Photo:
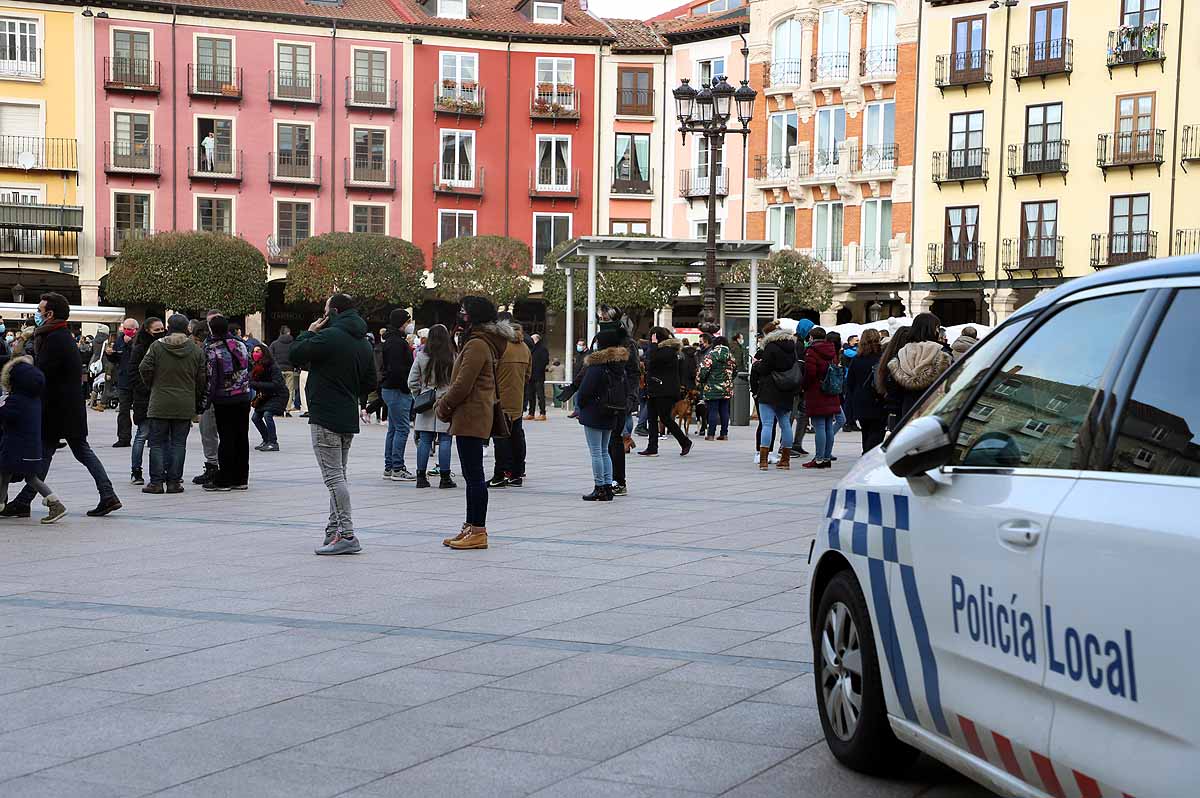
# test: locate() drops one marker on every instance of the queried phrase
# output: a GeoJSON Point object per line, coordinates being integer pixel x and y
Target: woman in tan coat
{"type": "Point", "coordinates": [469, 408]}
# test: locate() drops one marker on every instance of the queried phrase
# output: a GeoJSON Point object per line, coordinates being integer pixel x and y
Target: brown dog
{"type": "Point", "coordinates": [685, 410]}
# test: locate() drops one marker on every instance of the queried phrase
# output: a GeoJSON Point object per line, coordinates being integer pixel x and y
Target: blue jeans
{"type": "Point", "coordinates": [264, 422]}
{"type": "Point", "coordinates": [425, 446]}
{"type": "Point", "coordinates": [399, 405]}
{"type": "Point", "coordinates": [84, 454]}
{"type": "Point", "coordinates": [168, 447]}
{"type": "Point", "coordinates": [597, 442]}
{"type": "Point", "coordinates": [771, 415]}
{"type": "Point", "coordinates": [470, 459]}
{"type": "Point", "coordinates": [718, 409]}
{"type": "Point", "coordinates": [825, 428]}
{"type": "Point", "coordinates": [839, 421]}
{"type": "Point", "coordinates": [137, 454]}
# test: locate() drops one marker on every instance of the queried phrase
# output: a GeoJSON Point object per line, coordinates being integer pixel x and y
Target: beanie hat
{"type": "Point", "coordinates": [398, 318]}
{"type": "Point", "coordinates": [803, 328]}
{"type": "Point", "coordinates": [607, 338]}
{"type": "Point", "coordinates": [479, 310]}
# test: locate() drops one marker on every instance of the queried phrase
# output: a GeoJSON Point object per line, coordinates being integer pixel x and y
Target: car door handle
{"type": "Point", "coordinates": [1020, 532]}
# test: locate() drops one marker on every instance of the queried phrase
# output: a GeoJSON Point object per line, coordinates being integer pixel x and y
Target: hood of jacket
{"type": "Point", "coordinates": [611, 354]}
{"type": "Point", "coordinates": [511, 330]}
{"type": "Point", "coordinates": [176, 344]}
{"type": "Point", "coordinates": [803, 328]}
{"type": "Point", "coordinates": [492, 336]}
{"type": "Point", "coordinates": [20, 376]}
{"type": "Point", "coordinates": [917, 365]}
{"type": "Point", "coordinates": [351, 323]}
{"type": "Point", "coordinates": [671, 343]}
{"type": "Point", "coordinates": [778, 335]}
{"type": "Point", "coordinates": [824, 350]}
{"type": "Point", "coordinates": [962, 344]}
{"type": "Point", "coordinates": [284, 339]}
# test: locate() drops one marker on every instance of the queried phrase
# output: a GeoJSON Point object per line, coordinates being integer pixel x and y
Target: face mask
{"type": "Point", "coordinates": [257, 356]}
{"type": "Point", "coordinates": [158, 334]}
{"type": "Point", "coordinates": [579, 347]}
{"type": "Point", "coordinates": [463, 320]}
{"type": "Point", "coordinates": [10, 338]}
{"type": "Point", "coordinates": [38, 318]}
{"type": "Point", "coordinates": [1, 328]}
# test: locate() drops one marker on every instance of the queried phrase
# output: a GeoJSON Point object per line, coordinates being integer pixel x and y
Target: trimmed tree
{"type": "Point", "coordinates": [496, 267]}
{"type": "Point", "coordinates": [803, 281]}
{"type": "Point", "coordinates": [376, 270]}
{"type": "Point", "coordinates": [189, 272]}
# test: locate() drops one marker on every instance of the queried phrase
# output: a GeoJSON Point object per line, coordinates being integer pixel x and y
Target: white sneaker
{"type": "Point", "coordinates": [387, 473]}
{"type": "Point", "coordinates": [403, 475]}
{"type": "Point", "coordinates": [771, 458]}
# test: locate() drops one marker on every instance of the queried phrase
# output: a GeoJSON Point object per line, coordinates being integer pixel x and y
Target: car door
{"type": "Point", "coordinates": [976, 542]}
{"type": "Point", "coordinates": [1120, 575]}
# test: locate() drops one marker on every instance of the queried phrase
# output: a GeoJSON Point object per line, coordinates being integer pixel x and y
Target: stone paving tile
{"type": "Point", "coordinates": [686, 637]}
{"type": "Point", "coordinates": [103, 656]}
{"type": "Point", "coordinates": [45, 641]}
{"type": "Point", "coordinates": [496, 659]}
{"type": "Point", "coordinates": [99, 730]}
{"type": "Point", "coordinates": [273, 777]}
{"type": "Point", "coordinates": [605, 627]}
{"type": "Point", "coordinates": [226, 696]}
{"type": "Point", "coordinates": [51, 702]}
{"type": "Point", "coordinates": [406, 687]}
{"type": "Point", "coordinates": [708, 766]}
{"type": "Point", "coordinates": [588, 674]}
{"type": "Point", "coordinates": [13, 766]}
{"type": "Point", "coordinates": [477, 772]}
{"type": "Point", "coordinates": [20, 677]}
{"type": "Point", "coordinates": [489, 708]}
{"type": "Point", "coordinates": [387, 745]}
{"type": "Point", "coordinates": [298, 720]}
{"type": "Point", "coordinates": [583, 787]}
{"type": "Point", "coordinates": [42, 787]}
{"type": "Point", "coordinates": [758, 724]}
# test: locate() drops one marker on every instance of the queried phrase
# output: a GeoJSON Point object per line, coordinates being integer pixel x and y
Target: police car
{"type": "Point", "coordinates": [1008, 584]}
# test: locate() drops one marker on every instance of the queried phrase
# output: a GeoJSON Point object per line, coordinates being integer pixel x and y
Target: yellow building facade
{"type": "Point", "coordinates": [1054, 138]}
{"type": "Point", "coordinates": [41, 197]}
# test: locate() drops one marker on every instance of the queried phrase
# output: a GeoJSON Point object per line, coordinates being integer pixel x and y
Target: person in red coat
{"type": "Point", "coordinates": [822, 408]}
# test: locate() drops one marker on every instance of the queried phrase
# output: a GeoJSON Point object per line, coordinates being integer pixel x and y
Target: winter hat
{"type": "Point", "coordinates": [398, 318]}
{"type": "Point", "coordinates": [177, 324]}
{"type": "Point", "coordinates": [607, 338]}
{"type": "Point", "coordinates": [803, 328]}
{"type": "Point", "coordinates": [479, 310]}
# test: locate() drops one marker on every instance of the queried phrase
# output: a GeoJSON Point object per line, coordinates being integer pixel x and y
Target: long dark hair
{"type": "Point", "coordinates": [926, 327]}
{"type": "Point", "coordinates": [894, 345]}
{"type": "Point", "coordinates": [266, 360]}
{"type": "Point", "coordinates": [868, 344]}
{"type": "Point", "coordinates": [440, 351]}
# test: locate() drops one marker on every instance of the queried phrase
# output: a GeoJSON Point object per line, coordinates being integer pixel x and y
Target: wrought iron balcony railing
{"type": "Point", "coordinates": [1038, 254]}
{"type": "Point", "coordinates": [966, 69]}
{"type": "Point", "coordinates": [449, 178]}
{"type": "Point", "coordinates": [554, 101]}
{"type": "Point", "coordinates": [1189, 149]}
{"type": "Point", "coordinates": [1116, 249]}
{"type": "Point", "coordinates": [626, 180]}
{"type": "Point", "coordinates": [775, 168]}
{"type": "Point", "coordinates": [833, 257]}
{"type": "Point", "coordinates": [879, 64]}
{"type": "Point", "coordinates": [830, 67]}
{"type": "Point", "coordinates": [786, 72]}
{"type": "Point", "coordinates": [1042, 59]}
{"type": "Point", "coordinates": [371, 93]}
{"type": "Point", "coordinates": [1137, 44]}
{"type": "Point", "coordinates": [554, 182]}
{"type": "Point", "coordinates": [19, 61]}
{"type": "Point", "coordinates": [694, 183]}
{"type": "Point", "coordinates": [465, 98]}
{"type": "Point", "coordinates": [378, 174]}
{"type": "Point", "coordinates": [1038, 158]}
{"type": "Point", "coordinates": [293, 86]}
{"type": "Point", "coordinates": [132, 158]}
{"type": "Point", "coordinates": [216, 81]}
{"type": "Point", "coordinates": [874, 260]}
{"type": "Point", "coordinates": [1130, 148]}
{"type": "Point", "coordinates": [960, 166]}
{"type": "Point", "coordinates": [956, 260]}
{"type": "Point", "coordinates": [874, 161]}
{"type": "Point", "coordinates": [37, 154]}
{"type": "Point", "coordinates": [116, 237]}
{"type": "Point", "coordinates": [294, 168]}
{"type": "Point", "coordinates": [635, 102]}
{"type": "Point", "coordinates": [43, 243]}
{"type": "Point", "coordinates": [222, 164]}
{"type": "Point", "coordinates": [134, 75]}
{"type": "Point", "coordinates": [1187, 242]}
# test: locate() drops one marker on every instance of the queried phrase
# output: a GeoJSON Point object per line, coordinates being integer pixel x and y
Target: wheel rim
{"type": "Point", "coordinates": [841, 671]}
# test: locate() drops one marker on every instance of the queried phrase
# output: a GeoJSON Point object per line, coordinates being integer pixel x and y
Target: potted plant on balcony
{"type": "Point", "coordinates": [449, 83]}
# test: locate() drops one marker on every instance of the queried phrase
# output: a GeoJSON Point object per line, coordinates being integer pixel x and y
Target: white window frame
{"type": "Point", "coordinates": [13, 72]}
{"type": "Point", "coordinates": [831, 143]}
{"type": "Point", "coordinates": [552, 138]}
{"type": "Point", "coordinates": [1057, 403]}
{"type": "Point", "coordinates": [698, 223]}
{"type": "Point", "coordinates": [566, 100]}
{"type": "Point", "coordinates": [1035, 428]}
{"type": "Point", "coordinates": [558, 13]}
{"type": "Point", "coordinates": [232, 210]}
{"type": "Point", "coordinates": [1143, 458]}
{"type": "Point", "coordinates": [539, 268]}
{"type": "Point", "coordinates": [614, 222]}
{"type": "Point", "coordinates": [233, 127]}
{"type": "Point", "coordinates": [781, 226]}
{"type": "Point", "coordinates": [30, 188]}
{"type": "Point", "coordinates": [387, 146]}
{"type": "Point", "coordinates": [882, 240]}
{"type": "Point", "coordinates": [832, 265]}
{"type": "Point", "coordinates": [442, 13]}
{"type": "Point", "coordinates": [981, 412]}
{"type": "Point", "coordinates": [1007, 387]}
{"type": "Point", "coordinates": [874, 11]}
{"type": "Point", "coordinates": [1158, 434]}
{"type": "Point", "coordinates": [387, 214]}
{"type": "Point", "coordinates": [459, 58]}
{"type": "Point", "coordinates": [457, 212]}
{"type": "Point", "coordinates": [458, 135]}
{"type": "Point", "coordinates": [842, 45]}
{"type": "Point", "coordinates": [880, 141]}
{"type": "Point", "coordinates": [112, 126]}
{"type": "Point", "coordinates": [712, 62]}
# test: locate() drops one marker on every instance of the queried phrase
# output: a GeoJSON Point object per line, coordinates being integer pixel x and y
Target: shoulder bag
{"type": "Point", "coordinates": [500, 425]}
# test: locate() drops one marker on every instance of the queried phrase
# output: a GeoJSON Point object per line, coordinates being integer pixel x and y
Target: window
{"type": "Point", "coordinates": [556, 81]}
{"type": "Point", "coordinates": [1162, 416]}
{"type": "Point", "coordinates": [1135, 128]}
{"type": "Point", "coordinates": [19, 52]}
{"type": "Point", "coordinates": [22, 121]}
{"type": "Point", "coordinates": [369, 219]}
{"type": "Point", "coordinates": [966, 145]}
{"type": "Point", "coordinates": [968, 59]}
{"type": "Point", "coordinates": [881, 29]}
{"type": "Point", "coordinates": [632, 163]}
{"type": "Point", "coordinates": [458, 157]}
{"type": "Point", "coordinates": [827, 234]}
{"type": "Point", "coordinates": [638, 227]}
{"type": "Point", "coordinates": [781, 226]}
{"type": "Point", "coordinates": [1136, 13]}
{"type": "Point", "coordinates": [1047, 42]}
{"type": "Point", "coordinates": [834, 32]}
{"type": "Point", "coordinates": [786, 55]}
{"type": "Point", "coordinates": [1043, 138]}
{"type": "Point", "coordinates": [1058, 403]}
{"type": "Point", "coordinates": [370, 155]}
{"type": "Point", "coordinates": [547, 13]}
{"type": "Point", "coordinates": [782, 135]}
{"type": "Point", "coordinates": [549, 230]}
{"type": "Point", "coordinates": [295, 151]}
{"type": "Point", "coordinates": [452, 9]}
{"type": "Point", "coordinates": [1063, 358]}
{"type": "Point", "coordinates": [981, 412]}
{"type": "Point", "coordinates": [831, 134]}
{"type": "Point", "coordinates": [214, 214]}
{"type": "Point", "coordinates": [293, 77]}
{"type": "Point", "coordinates": [214, 64]}
{"type": "Point", "coordinates": [702, 230]}
{"type": "Point", "coordinates": [131, 140]}
{"type": "Point", "coordinates": [455, 224]}
{"type": "Point", "coordinates": [370, 77]}
{"type": "Point", "coordinates": [962, 239]}
{"type": "Point", "coordinates": [716, 5]}
{"type": "Point", "coordinates": [877, 234]}
{"type": "Point", "coordinates": [1039, 234]}
{"type": "Point", "coordinates": [554, 163]}
{"type": "Point", "coordinates": [131, 217]}
{"type": "Point", "coordinates": [460, 76]}
{"type": "Point", "coordinates": [879, 138]}
{"type": "Point", "coordinates": [293, 223]}
{"type": "Point", "coordinates": [634, 96]}
{"type": "Point", "coordinates": [1129, 228]}
{"type": "Point", "coordinates": [708, 69]}
{"type": "Point", "coordinates": [131, 62]}
{"type": "Point", "coordinates": [214, 145]}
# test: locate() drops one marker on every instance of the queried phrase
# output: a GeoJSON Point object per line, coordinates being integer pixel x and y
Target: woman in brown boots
{"type": "Point", "coordinates": [780, 378]}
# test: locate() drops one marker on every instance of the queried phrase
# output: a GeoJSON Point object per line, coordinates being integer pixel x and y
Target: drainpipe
{"type": "Point", "coordinates": [508, 127]}
{"type": "Point", "coordinates": [745, 139]}
{"type": "Point", "coordinates": [912, 233]}
{"type": "Point", "coordinates": [662, 167]}
{"type": "Point", "coordinates": [174, 127]}
{"type": "Point", "coordinates": [1000, 194]}
{"type": "Point", "coordinates": [597, 180]}
{"type": "Point", "coordinates": [1175, 135]}
{"type": "Point", "coordinates": [333, 130]}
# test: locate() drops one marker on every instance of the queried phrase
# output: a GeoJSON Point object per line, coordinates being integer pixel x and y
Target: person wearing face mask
{"type": "Point", "coordinates": [6, 339]}
{"type": "Point", "coordinates": [270, 397]}
{"type": "Point", "coordinates": [64, 416]}
{"type": "Point", "coordinates": [119, 351]}
{"type": "Point", "coordinates": [396, 359]}
{"type": "Point", "coordinates": [151, 331]}
{"type": "Point", "coordinates": [174, 369]}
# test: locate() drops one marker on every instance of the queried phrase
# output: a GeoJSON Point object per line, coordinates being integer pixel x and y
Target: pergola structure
{"type": "Point", "coordinates": [640, 254]}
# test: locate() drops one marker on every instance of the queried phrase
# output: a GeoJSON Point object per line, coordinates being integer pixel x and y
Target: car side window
{"type": "Point", "coordinates": [1160, 429]}
{"type": "Point", "coordinates": [1032, 409]}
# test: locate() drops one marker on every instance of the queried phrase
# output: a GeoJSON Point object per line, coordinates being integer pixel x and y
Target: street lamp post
{"type": "Point", "coordinates": [706, 113]}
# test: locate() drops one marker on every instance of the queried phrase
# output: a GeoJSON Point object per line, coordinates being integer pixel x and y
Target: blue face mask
{"type": "Point", "coordinates": [38, 318]}
{"type": "Point", "coordinates": [1, 329]}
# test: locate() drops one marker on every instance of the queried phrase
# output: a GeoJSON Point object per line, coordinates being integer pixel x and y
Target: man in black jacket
{"type": "Point", "coordinates": [119, 351]}
{"type": "Point", "coordinates": [64, 416]}
{"type": "Point", "coordinates": [535, 389]}
{"type": "Point", "coordinates": [393, 387]}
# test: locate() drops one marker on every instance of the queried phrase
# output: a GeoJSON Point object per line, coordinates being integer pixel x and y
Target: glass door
{"type": "Point", "coordinates": [879, 138]}
{"type": "Point", "coordinates": [962, 239]}
{"type": "Point", "coordinates": [827, 234]}
{"type": "Point", "coordinates": [554, 163]}
{"type": "Point", "coordinates": [966, 145]}
{"type": "Point", "coordinates": [968, 59]}
{"type": "Point", "coordinates": [458, 157]}
{"type": "Point", "coordinates": [214, 64]}
{"type": "Point", "coordinates": [370, 77]}
{"type": "Point", "coordinates": [1047, 39]}
{"type": "Point", "coordinates": [1043, 138]}
{"type": "Point", "coordinates": [880, 56]}
{"type": "Point", "coordinates": [370, 156]}
{"type": "Point", "coordinates": [1135, 128]}
{"type": "Point", "coordinates": [1129, 229]}
{"type": "Point", "coordinates": [831, 132]}
{"type": "Point", "coordinates": [1039, 235]}
{"type": "Point", "coordinates": [782, 135]}
{"type": "Point", "coordinates": [877, 234]}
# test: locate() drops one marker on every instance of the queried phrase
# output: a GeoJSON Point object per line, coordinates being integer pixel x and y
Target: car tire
{"type": "Point", "coordinates": [866, 744]}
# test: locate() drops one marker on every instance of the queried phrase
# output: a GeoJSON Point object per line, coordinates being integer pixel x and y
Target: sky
{"type": "Point", "coordinates": [630, 9]}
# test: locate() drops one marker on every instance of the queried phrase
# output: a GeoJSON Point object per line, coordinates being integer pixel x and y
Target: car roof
{"type": "Point", "coordinates": [1181, 266]}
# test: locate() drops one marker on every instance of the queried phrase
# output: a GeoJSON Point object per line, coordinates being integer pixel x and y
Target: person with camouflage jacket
{"type": "Point", "coordinates": [717, 370]}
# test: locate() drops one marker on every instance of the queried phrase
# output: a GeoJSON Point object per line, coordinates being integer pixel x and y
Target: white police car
{"type": "Point", "coordinates": [1009, 583]}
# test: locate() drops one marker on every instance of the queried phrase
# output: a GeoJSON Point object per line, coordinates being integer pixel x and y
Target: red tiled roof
{"type": "Point", "coordinates": [634, 34]}
{"type": "Point", "coordinates": [377, 11]}
{"type": "Point", "coordinates": [499, 16]}
{"type": "Point", "coordinates": [678, 11]}
{"type": "Point", "coordinates": [718, 19]}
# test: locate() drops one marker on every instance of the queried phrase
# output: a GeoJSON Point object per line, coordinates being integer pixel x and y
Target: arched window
{"type": "Point", "coordinates": [785, 58]}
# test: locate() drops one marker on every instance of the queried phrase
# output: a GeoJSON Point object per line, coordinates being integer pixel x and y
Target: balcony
{"type": "Point", "coordinates": [115, 238]}
{"type": "Point", "coordinates": [967, 69]}
{"type": "Point", "coordinates": [372, 174]}
{"type": "Point", "coordinates": [1042, 60]}
{"type": "Point", "coordinates": [132, 158]}
{"type": "Point", "coordinates": [1187, 242]}
{"type": "Point", "coordinates": [1130, 148]}
{"type": "Point", "coordinates": [39, 243]}
{"type": "Point", "coordinates": [635, 102]}
{"type": "Point", "coordinates": [461, 99]}
{"type": "Point", "coordinates": [554, 183]}
{"type": "Point", "coordinates": [224, 165]}
{"type": "Point", "coordinates": [874, 162]}
{"type": "Point", "coordinates": [215, 82]}
{"type": "Point", "coordinates": [822, 166]}
{"type": "Point", "coordinates": [294, 169]}
{"type": "Point", "coordinates": [628, 181]}
{"type": "Point", "coordinates": [457, 180]}
{"type": "Point", "coordinates": [829, 69]}
{"type": "Point", "coordinates": [131, 75]}
{"type": "Point", "coordinates": [961, 261]}
{"type": "Point", "coordinates": [37, 216]}
{"type": "Point", "coordinates": [292, 87]}
{"type": "Point", "coordinates": [1037, 158]}
{"type": "Point", "coordinates": [832, 258]}
{"type": "Point", "coordinates": [874, 261]}
{"type": "Point", "coordinates": [1117, 249]}
{"type": "Point", "coordinates": [786, 72]}
{"type": "Point", "coordinates": [20, 63]}
{"type": "Point", "coordinates": [36, 154]}
{"type": "Point", "coordinates": [1036, 255]}
{"type": "Point", "coordinates": [371, 94]}
{"type": "Point", "coordinates": [878, 64]}
{"type": "Point", "coordinates": [960, 166]}
{"type": "Point", "coordinates": [1189, 150]}
{"type": "Point", "coordinates": [279, 248]}
{"type": "Point", "coordinates": [775, 170]}
{"type": "Point", "coordinates": [1134, 45]}
{"type": "Point", "coordinates": [694, 183]}
{"type": "Point", "coordinates": [554, 102]}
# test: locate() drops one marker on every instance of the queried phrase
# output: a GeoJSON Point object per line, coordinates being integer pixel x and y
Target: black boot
{"type": "Point", "coordinates": [136, 478]}
{"type": "Point", "coordinates": [606, 493]}
{"type": "Point", "coordinates": [210, 471]}
{"type": "Point", "coordinates": [422, 479]}
{"type": "Point", "coordinates": [445, 481]}
{"type": "Point", "coordinates": [597, 494]}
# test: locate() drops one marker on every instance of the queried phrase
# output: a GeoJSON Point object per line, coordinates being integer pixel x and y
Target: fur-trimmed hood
{"type": "Point", "coordinates": [918, 364]}
{"type": "Point", "coordinates": [962, 344]}
{"type": "Point", "coordinates": [492, 335]}
{"type": "Point", "coordinates": [19, 375]}
{"type": "Point", "coordinates": [612, 354]}
{"type": "Point", "coordinates": [779, 334]}
{"type": "Point", "coordinates": [509, 329]}
{"type": "Point", "coordinates": [671, 343]}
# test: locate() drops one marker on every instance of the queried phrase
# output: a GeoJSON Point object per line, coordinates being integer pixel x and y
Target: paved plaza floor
{"type": "Point", "coordinates": [193, 645]}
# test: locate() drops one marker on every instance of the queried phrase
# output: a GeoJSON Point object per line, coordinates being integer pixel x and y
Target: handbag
{"type": "Point", "coordinates": [789, 380]}
{"type": "Point", "coordinates": [500, 425]}
{"type": "Point", "coordinates": [424, 401]}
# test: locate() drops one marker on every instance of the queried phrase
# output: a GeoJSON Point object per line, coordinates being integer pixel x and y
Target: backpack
{"type": "Point", "coordinates": [834, 382]}
{"type": "Point", "coordinates": [614, 396]}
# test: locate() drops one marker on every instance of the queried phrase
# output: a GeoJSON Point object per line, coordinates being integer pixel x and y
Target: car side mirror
{"type": "Point", "coordinates": [918, 447]}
